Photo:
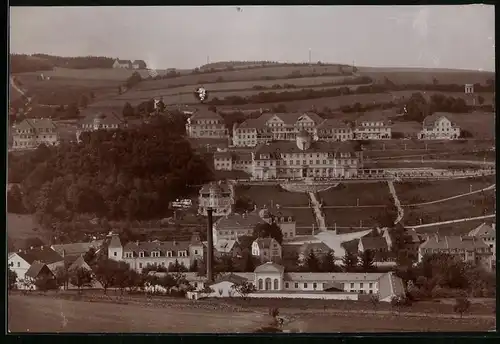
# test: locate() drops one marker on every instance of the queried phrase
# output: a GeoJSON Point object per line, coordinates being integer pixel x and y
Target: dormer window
{"type": "Point", "coordinates": [155, 254]}
{"type": "Point", "coordinates": [169, 253]}
{"type": "Point", "coordinates": [141, 254]}
{"type": "Point", "coordinates": [182, 254]}
{"type": "Point", "coordinates": [129, 255]}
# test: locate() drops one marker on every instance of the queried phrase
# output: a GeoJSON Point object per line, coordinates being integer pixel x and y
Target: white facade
{"type": "Point", "coordinates": [30, 133]}
{"type": "Point", "coordinates": [206, 125]}
{"type": "Point", "coordinates": [372, 130]}
{"type": "Point", "coordinates": [218, 196]}
{"type": "Point", "coordinates": [18, 265]}
{"type": "Point", "coordinates": [440, 129]}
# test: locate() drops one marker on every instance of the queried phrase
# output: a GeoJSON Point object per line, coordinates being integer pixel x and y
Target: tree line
{"type": "Point", "coordinates": [21, 63]}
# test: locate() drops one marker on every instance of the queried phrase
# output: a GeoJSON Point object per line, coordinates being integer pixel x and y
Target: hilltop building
{"type": "Point", "coordinates": [100, 121]}
{"type": "Point", "coordinates": [438, 126]}
{"type": "Point", "coordinates": [127, 64]}
{"type": "Point", "coordinates": [205, 124]}
{"type": "Point", "coordinates": [31, 132]}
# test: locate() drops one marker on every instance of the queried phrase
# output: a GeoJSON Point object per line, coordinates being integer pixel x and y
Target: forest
{"type": "Point", "coordinates": [129, 174]}
{"type": "Point", "coordinates": [21, 63]}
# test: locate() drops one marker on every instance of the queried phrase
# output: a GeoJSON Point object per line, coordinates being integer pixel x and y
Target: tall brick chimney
{"type": "Point", "coordinates": [210, 247]}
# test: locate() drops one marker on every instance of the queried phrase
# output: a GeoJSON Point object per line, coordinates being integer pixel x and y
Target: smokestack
{"type": "Point", "coordinates": [210, 247]}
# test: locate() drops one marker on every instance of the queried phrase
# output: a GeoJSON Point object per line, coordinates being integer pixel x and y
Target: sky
{"type": "Point", "coordinates": [461, 36]}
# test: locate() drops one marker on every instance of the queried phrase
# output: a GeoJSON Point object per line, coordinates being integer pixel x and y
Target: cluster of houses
{"type": "Point", "coordinates": [286, 126]}
{"type": "Point", "coordinates": [127, 64]}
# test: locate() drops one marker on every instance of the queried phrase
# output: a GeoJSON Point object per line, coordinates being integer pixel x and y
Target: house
{"type": "Point", "coordinates": [100, 121]}
{"type": "Point", "coordinates": [216, 195]}
{"type": "Point", "coordinates": [235, 225]}
{"type": "Point", "coordinates": [373, 243]}
{"type": "Point", "coordinates": [271, 281]}
{"type": "Point", "coordinates": [21, 261]}
{"type": "Point", "coordinates": [372, 126]}
{"type": "Point", "coordinates": [127, 64]}
{"type": "Point", "coordinates": [139, 64]}
{"type": "Point", "coordinates": [207, 125]}
{"type": "Point", "coordinates": [77, 249]}
{"type": "Point", "coordinates": [439, 126]}
{"type": "Point", "coordinates": [284, 218]}
{"type": "Point", "coordinates": [305, 159]}
{"type": "Point", "coordinates": [266, 249]}
{"type": "Point", "coordinates": [334, 130]}
{"type": "Point", "coordinates": [467, 248]}
{"type": "Point", "coordinates": [227, 248]}
{"type": "Point", "coordinates": [319, 249]}
{"type": "Point", "coordinates": [161, 253]}
{"type": "Point", "coordinates": [274, 126]}
{"type": "Point", "coordinates": [36, 271]}
{"type": "Point", "coordinates": [487, 233]}
{"type": "Point", "coordinates": [31, 132]}
{"type": "Point", "coordinates": [225, 160]}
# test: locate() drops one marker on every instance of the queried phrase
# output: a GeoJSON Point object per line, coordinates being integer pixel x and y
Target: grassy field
{"type": "Point", "coordinates": [464, 207]}
{"type": "Point", "coordinates": [271, 196]}
{"type": "Point", "coordinates": [426, 191]}
{"type": "Point", "coordinates": [352, 217]}
{"type": "Point", "coordinates": [432, 145]}
{"type": "Point", "coordinates": [479, 124]}
{"type": "Point", "coordinates": [305, 219]}
{"type": "Point", "coordinates": [488, 96]}
{"type": "Point", "coordinates": [22, 227]}
{"type": "Point", "coordinates": [44, 314]}
{"type": "Point", "coordinates": [116, 74]}
{"type": "Point", "coordinates": [349, 193]}
{"type": "Point", "coordinates": [460, 228]}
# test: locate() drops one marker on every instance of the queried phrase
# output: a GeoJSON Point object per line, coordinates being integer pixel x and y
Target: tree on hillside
{"type": "Point", "coordinates": [128, 110]}
{"type": "Point", "coordinates": [105, 272]}
{"type": "Point", "coordinates": [84, 101]}
{"type": "Point", "coordinates": [349, 262]}
{"type": "Point", "coordinates": [328, 262]}
{"type": "Point", "coordinates": [80, 278]}
{"type": "Point", "coordinates": [312, 262]}
{"type": "Point", "coordinates": [265, 230]}
{"type": "Point", "coordinates": [15, 200]}
{"type": "Point", "coordinates": [367, 259]}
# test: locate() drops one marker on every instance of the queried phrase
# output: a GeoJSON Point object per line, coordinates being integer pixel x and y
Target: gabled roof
{"type": "Point", "coordinates": [332, 123]}
{"type": "Point", "coordinates": [373, 243]}
{"type": "Point", "coordinates": [270, 267]}
{"type": "Point", "coordinates": [286, 118]}
{"type": "Point", "coordinates": [115, 242]}
{"type": "Point", "coordinates": [453, 242]}
{"type": "Point", "coordinates": [123, 61]}
{"type": "Point", "coordinates": [265, 243]}
{"type": "Point", "coordinates": [233, 278]}
{"type": "Point", "coordinates": [36, 123]}
{"type": "Point", "coordinates": [76, 249]}
{"type": "Point", "coordinates": [431, 120]}
{"type": "Point", "coordinates": [316, 247]}
{"type": "Point", "coordinates": [329, 276]}
{"type": "Point", "coordinates": [225, 245]}
{"type": "Point", "coordinates": [215, 188]}
{"type": "Point", "coordinates": [223, 155]}
{"type": "Point", "coordinates": [240, 221]}
{"type": "Point", "coordinates": [44, 255]}
{"type": "Point", "coordinates": [36, 268]}
{"type": "Point", "coordinates": [103, 118]}
{"type": "Point", "coordinates": [278, 147]}
{"type": "Point", "coordinates": [483, 230]}
{"type": "Point", "coordinates": [79, 263]}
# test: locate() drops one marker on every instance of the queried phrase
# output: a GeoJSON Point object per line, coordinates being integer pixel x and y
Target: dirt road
{"type": "Point", "coordinates": [48, 314]}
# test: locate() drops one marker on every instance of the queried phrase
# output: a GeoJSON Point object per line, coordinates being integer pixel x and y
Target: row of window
{"type": "Point", "coordinates": [141, 265]}
{"type": "Point", "coordinates": [206, 121]}
{"type": "Point", "coordinates": [335, 131]}
{"type": "Point", "coordinates": [305, 155]}
{"type": "Point", "coordinates": [212, 133]}
{"type": "Point", "coordinates": [377, 130]}
{"type": "Point", "coordinates": [340, 162]}
{"type": "Point", "coordinates": [39, 130]}
{"type": "Point", "coordinates": [29, 143]}
{"type": "Point", "coordinates": [99, 126]}
{"type": "Point", "coordinates": [37, 136]}
{"type": "Point", "coordinates": [157, 254]}
{"type": "Point", "coordinates": [372, 124]}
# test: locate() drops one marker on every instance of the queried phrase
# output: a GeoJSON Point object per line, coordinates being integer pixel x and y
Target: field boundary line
{"type": "Point", "coordinates": [451, 221]}
{"type": "Point", "coordinates": [491, 187]}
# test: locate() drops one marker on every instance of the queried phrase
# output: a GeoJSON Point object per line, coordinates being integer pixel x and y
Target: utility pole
{"type": "Point", "coordinates": [309, 56]}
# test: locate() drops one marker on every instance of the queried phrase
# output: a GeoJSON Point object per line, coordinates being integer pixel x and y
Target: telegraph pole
{"type": "Point", "coordinates": [309, 56]}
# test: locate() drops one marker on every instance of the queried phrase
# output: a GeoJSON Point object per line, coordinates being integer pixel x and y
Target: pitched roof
{"type": "Point", "coordinates": [483, 230]}
{"type": "Point", "coordinates": [157, 246]}
{"type": "Point", "coordinates": [316, 147]}
{"type": "Point", "coordinates": [231, 277]}
{"type": "Point", "coordinates": [206, 114]}
{"type": "Point", "coordinates": [316, 247]}
{"type": "Point", "coordinates": [223, 155]}
{"type": "Point", "coordinates": [36, 123]}
{"type": "Point", "coordinates": [276, 212]}
{"type": "Point", "coordinates": [123, 61]}
{"type": "Point", "coordinates": [103, 118]}
{"type": "Point", "coordinates": [76, 249]}
{"type": "Point", "coordinates": [44, 255]}
{"type": "Point", "coordinates": [373, 243]}
{"type": "Point", "coordinates": [270, 267]}
{"type": "Point", "coordinates": [328, 276]}
{"type": "Point", "coordinates": [431, 120]}
{"type": "Point", "coordinates": [79, 263]}
{"type": "Point", "coordinates": [453, 242]}
{"type": "Point", "coordinates": [287, 118]}
{"type": "Point", "coordinates": [36, 268]}
{"type": "Point", "coordinates": [225, 245]}
{"type": "Point", "coordinates": [115, 241]}
{"type": "Point", "coordinates": [265, 243]}
{"type": "Point", "coordinates": [240, 221]}
{"type": "Point", "coordinates": [215, 188]}
{"type": "Point", "coordinates": [241, 156]}
{"type": "Point", "coordinates": [331, 123]}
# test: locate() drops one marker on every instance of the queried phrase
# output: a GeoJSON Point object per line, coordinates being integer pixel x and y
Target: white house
{"type": "Point", "coordinates": [438, 126]}
{"type": "Point", "coordinates": [127, 64]}
{"type": "Point", "coordinates": [21, 261]}
{"type": "Point", "coordinates": [266, 249]}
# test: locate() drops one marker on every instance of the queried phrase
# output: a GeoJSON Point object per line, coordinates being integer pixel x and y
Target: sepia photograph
{"type": "Point", "coordinates": [251, 169]}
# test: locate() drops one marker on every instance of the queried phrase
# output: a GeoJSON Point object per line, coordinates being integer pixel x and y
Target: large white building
{"type": "Point", "coordinates": [206, 124]}
{"type": "Point", "coordinates": [334, 130]}
{"type": "Point", "coordinates": [31, 133]}
{"type": "Point", "coordinates": [160, 253]}
{"type": "Point", "coordinates": [438, 126]}
{"type": "Point", "coordinates": [372, 128]}
{"type": "Point", "coordinates": [271, 281]}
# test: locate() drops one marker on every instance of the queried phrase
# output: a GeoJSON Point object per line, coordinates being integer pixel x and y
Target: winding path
{"type": "Point", "coordinates": [397, 203]}
{"type": "Point", "coordinates": [320, 219]}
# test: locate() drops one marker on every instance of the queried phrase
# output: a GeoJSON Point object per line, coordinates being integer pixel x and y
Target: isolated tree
{"type": "Point", "coordinates": [244, 288]}
{"type": "Point", "coordinates": [80, 278]}
{"type": "Point", "coordinates": [480, 100]}
{"type": "Point", "coordinates": [168, 282]}
{"type": "Point", "coordinates": [367, 259]}
{"type": "Point", "coordinates": [62, 276]}
{"type": "Point", "coordinates": [105, 272]}
{"type": "Point", "coordinates": [349, 262]}
{"type": "Point", "coordinates": [312, 262]}
{"type": "Point", "coordinates": [461, 306]}
{"type": "Point", "coordinates": [375, 300]}
{"type": "Point", "coordinates": [328, 262]}
{"type": "Point", "coordinates": [128, 110]}
{"type": "Point", "coordinates": [265, 230]}
{"type": "Point", "coordinates": [12, 279]}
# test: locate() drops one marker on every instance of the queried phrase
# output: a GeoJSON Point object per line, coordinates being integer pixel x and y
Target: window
{"type": "Point", "coordinates": [115, 253]}
{"type": "Point", "coordinates": [361, 285]}
{"type": "Point", "coordinates": [140, 265]}
{"type": "Point", "coordinates": [305, 285]}
{"type": "Point", "coordinates": [370, 285]}
{"type": "Point", "coordinates": [169, 253]}
{"type": "Point", "coordinates": [276, 284]}
{"type": "Point", "coordinates": [195, 251]}
{"type": "Point", "coordinates": [296, 285]}
{"type": "Point", "coordinates": [11, 264]}
{"type": "Point", "coordinates": [260, 284]}
{"type": "Point", "coordinates": [286, 285]}
{"type": "Point", "coordinates": [371, 291]}
{"type": "Point", "coordinates": [141, 254]}
{"type": "Point", "coordinates": [315, 285]}
{"type": "Point", "coordinates": [352, 285]}
{"type": "Point", "coordinates": [155, 254]}
{"type": "Point", "coordinates": [196, 284]}
{"type": "Point", "coordinates": [18, 264]}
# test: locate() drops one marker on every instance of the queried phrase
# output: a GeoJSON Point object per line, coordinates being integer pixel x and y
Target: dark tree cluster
{"type": "Point", "coordinates": [20, 63]}
{"type": "Point", "coordinates": [131, 174]}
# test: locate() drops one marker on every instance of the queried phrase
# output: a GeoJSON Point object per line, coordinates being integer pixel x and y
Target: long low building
{"type": "Point", "coordinates": [271, 281]}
